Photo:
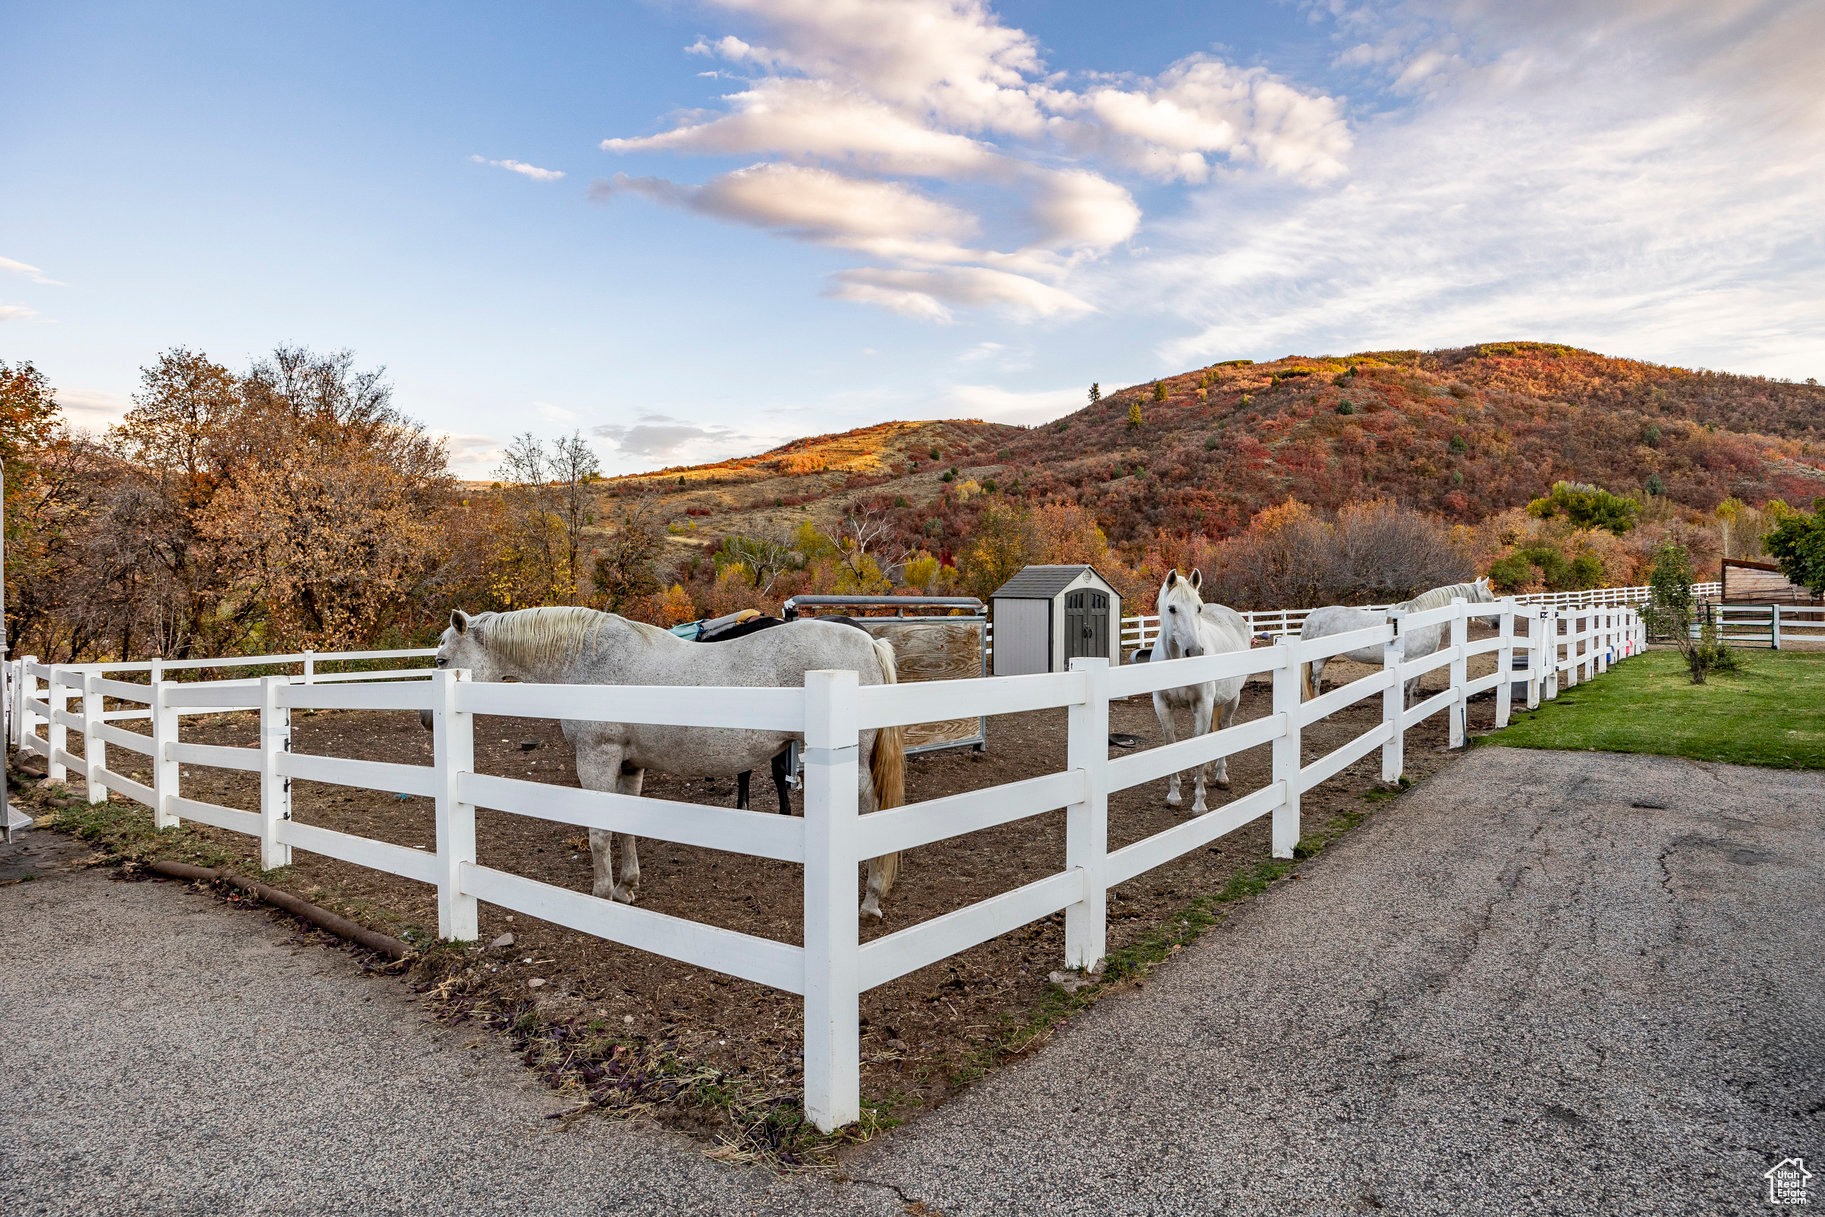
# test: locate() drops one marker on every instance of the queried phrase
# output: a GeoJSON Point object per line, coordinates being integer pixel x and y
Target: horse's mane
{"type": "Point", "coordinates": [1438, 597]}
{"type": "Point", "coordinates": [535, 637]}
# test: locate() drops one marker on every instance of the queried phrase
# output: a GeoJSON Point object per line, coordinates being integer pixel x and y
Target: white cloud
{"type": "Point", "coordinates": [661, 439]}
{"type": "Point", "coordinates": [16, 312]}
{"type": "Point", "coordinates": [555, 414]}
{"type": "Point", "coordinates": [925, 293]}
{"type": "Point", "coordinates": [30, 272]}
{"type": "Point", "coordinates": [473, 457]}
{"type": "Point", "coordinates": [994, 404]}
{"type": "Point", "coordinates": [816, 120]}
{"type": "Point", "coordinates": [91, 410]}
{"type": "Point", "coordinates": [1202, 105]}
{"type": "Point", "coordinates": [523, 169]}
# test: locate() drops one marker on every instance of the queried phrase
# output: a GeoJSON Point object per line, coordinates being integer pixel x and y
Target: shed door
{"type": "Point", "coordinates": [1086, 623]}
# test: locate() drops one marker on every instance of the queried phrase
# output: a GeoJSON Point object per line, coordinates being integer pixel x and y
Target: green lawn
{"type": "Point", "coordinates": [1772, 713]}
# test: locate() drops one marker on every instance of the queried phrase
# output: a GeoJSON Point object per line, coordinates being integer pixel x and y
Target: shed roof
{"type": "Point", "coordinates": [1042, 582]}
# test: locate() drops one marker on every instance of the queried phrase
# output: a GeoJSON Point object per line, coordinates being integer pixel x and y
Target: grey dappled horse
{"type": "Point", "coordinates": [582, 646]}
{"type": "Point", "coordinates": [1412, 644]}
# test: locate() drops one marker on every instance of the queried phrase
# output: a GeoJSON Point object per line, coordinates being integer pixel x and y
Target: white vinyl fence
{"type": "Point", "coordinates": [1140, 631]}
{"type": "Point", "coordinates": [1769, 625]}
{"type": "Point", "coordinates": [830, 968]}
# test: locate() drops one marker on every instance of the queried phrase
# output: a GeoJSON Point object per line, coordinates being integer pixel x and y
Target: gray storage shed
{"type": "Point", "coordinates": [1047, 616]}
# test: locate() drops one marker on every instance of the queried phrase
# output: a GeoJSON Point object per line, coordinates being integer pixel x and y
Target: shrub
{"type": "Point", "coordinates": [1210, 443]}
{"type": "Point", "coordinates": [1586, 506]}
{"type": "Point", "coordinates": [1798, 544]}
{"type": "Point", "coordinates": [1457, 445]}
{"type": "Point", "coordinates": [947, 475]}
{"type": "Point", "coordinates": [1670, 611]}
{"type": "Point", "coordinates": [1096, 393]}
{"type": "Point", "coordinates": [1134, 416]}
{"type": "Point", "coordinates": [1654, 485]}
{"type": "Point", "coordinates": [1344, 407]}
{"type": "Point", "coordinates": [1159, 391]}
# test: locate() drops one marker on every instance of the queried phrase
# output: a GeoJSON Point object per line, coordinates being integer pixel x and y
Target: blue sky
{"type": "Point", "coordinates": [778, 217]}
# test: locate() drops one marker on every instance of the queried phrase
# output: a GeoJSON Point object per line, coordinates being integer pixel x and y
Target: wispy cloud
{"type": "Point", "coordinates": [16, 312]}
{"type": "Point", "coordinates": [662, 439]}
{"type": "Point", "coordinates": [853, 99]}
{"type": "Point", "coordinates": [473, 457]}
{"type": "Point", "coordinates": [30, 272]}
{"type": "Point", "coordinates": [90, 410]}
{"type": "Point", "coordinates": [522, 168]}
{"type": "Point", "coordinates": [994, 404]}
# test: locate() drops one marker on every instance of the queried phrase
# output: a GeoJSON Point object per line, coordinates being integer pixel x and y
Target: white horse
{"type": "Point", "coordinates": [1188, 628]}
{"type": "Point", "coordinates": [1412, 644]}
{"type": "Point", "coordinates": [583, 646]}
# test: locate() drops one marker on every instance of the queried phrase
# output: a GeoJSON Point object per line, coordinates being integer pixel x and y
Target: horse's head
{"type": "Point", "coordinates": [464, 645]}
{"type": "Point", "coordinates": [1481, 592]}
{"type": "Point", "coordinates": [1179, 603]}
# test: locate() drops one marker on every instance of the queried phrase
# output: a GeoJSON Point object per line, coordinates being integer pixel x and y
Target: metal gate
{"type": "Point", "coordinates": [1086, 624]}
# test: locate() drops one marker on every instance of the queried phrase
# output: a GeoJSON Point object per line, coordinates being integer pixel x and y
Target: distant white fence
{"type": "Point", "coordinates": [830, 968]}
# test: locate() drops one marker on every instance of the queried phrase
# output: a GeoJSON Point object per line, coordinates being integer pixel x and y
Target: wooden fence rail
{"type": "Point", "coordinates": [1556, 646]}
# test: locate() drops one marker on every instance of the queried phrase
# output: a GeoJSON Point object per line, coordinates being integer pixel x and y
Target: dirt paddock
{"type": "Point", "coordinates": [921, 1032]}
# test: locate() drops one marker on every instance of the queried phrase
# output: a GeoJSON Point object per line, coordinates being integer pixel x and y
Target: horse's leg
{"type": "Point", "coordinates": [1317, 676]}
{"type": "Point", "coordinates": [741, 791]}
{"type": "Point", "coordinates": [782, 784]}
{"type": "Point", "coordinates": [1170, 729]}
{"type": "Point", "coordinates": [600, 769]}
{"type": "Point", "coordinates": [1226, 718]}
{"type": "Point", "coordinates": [879, 876]}
{"type": "Point", "coordinates": [629, 887]}
{"type": "Point", "coordinates": [1200, 725]}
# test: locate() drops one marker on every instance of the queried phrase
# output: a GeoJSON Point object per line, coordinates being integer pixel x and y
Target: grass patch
{"type": "Point", "coordinates": [1770, 713]}
{"type": "Point", "coordinates": [120, 828]}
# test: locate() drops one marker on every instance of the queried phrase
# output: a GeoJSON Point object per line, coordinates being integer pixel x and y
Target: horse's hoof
{"type": "Point", "coordinates": [623, 893]}
{"type": "Point", "coordinates": [1221, 783]}
{"type": "Point", "coordinates": [872, 908]}
{"type": "Point", "coordinates": [1173, 799]}
{"type": "Point", "coordinates": [1198, 808]}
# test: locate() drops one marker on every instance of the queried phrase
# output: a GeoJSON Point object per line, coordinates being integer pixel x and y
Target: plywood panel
{"type": "Point", "coordinates": [934, 650]}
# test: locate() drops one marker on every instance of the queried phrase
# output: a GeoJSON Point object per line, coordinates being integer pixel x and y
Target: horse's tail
{"type": "Point", "coordinates": [887, 767]}
{"type": "Point", "coordinates": [1306, 692]}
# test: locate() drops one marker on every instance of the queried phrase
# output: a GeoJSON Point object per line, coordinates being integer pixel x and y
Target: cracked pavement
{"type": "Point", "coordinates": [1537, 983]}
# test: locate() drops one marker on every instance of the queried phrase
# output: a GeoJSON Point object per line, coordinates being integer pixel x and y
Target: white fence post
{"type": "Point", "coordinates": [310, 666]}
{"type": "Point", "coordinates": [275, 787]}
{"type": "Point", "coordinates": [1460, 671]}
{"type": "Point", "coordinates": [164, 734]}
{"type": "Point", "coordinates": [55, 734]}
{"type": "Point", "coordinates": [453, 754]}
{"type": "Point", "coordinates": [1549, 638]}
{"type": "Point", "coordinates": [1087, 823]}
{"type": "Point", "coordinates": [833, 1048]}
{"type": "Point", "coordinates": [94, 748]}
{"type": "Point", "coordinates": [1536, 657]}
{"type": "Point", "coordinates": [1774, 628]}
{"type": "Point", "coordinates": [1504, 689]}
{"type": "Point", "coordinates": [1394, 702]}
{"type": "Point", "coordinates": [1286, 748]}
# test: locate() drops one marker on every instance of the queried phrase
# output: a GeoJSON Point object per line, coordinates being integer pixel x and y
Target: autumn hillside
{"type": "Point", "coordinates": [1465, 434]}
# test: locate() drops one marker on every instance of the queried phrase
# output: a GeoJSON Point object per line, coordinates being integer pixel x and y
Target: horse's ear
{"type": "Point", "coordinates": [1197, 578]}
{"type": "Point", "coordinates": [459, 621]}
{"type": "Point", "coordinates": [1172, 576]}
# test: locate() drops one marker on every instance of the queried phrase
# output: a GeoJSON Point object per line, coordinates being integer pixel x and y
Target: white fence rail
{"type": "Point", "coordinates": [831, 968]}
{"type": "Point", "coordinates": [1770, 625]}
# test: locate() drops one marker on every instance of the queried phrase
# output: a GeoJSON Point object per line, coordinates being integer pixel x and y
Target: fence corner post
{"type": "Point", "coordinates": [164, 735]}
{"type": "Point", "coordinates": [1286, 749]}
{"type": "Point", "coordinates": [1460, 671]}
{"type": "Point", "coordinates": [1504, 690]}
{"type": "Point", "coordinates": [94, 748]}
{"type": "Point", "coordinates": [453, 754]}
{"type": "Point", "coordinates": [275, 787]}
{"type": "Point", "coordinates": [833, 1047]}
{"type": "Point", "coordinates": [1394, 701]}
{"type": "Point", "coordinates": [1549, 639]}
{"type": "Point", "coordinates": [1087, 823]}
